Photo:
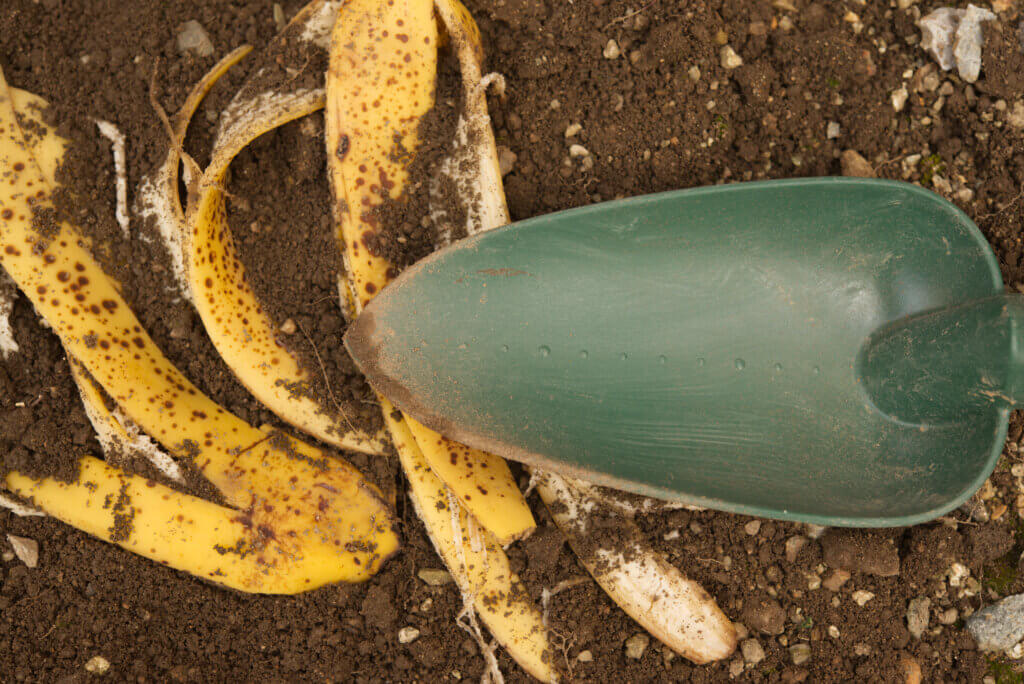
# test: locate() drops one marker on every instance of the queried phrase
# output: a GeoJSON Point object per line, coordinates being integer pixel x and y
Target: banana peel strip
{"type": "Point", "coordinates": [648, 588]}
{"type": "Point", "coordinates": [473, 165]}
{"type": "Point", "coordinates": [380, 84]}
{"type": "Point", "coordinates": [475, 559]}
{"type": "Point", "coordinates": [48, 149]}
{"type": "Point", "coordinates": [309, 519]}
{"type": "Point", "coordinates": [158, 195]}
{"type": "Point", "coordinates": [381, 76]}
{"type": "Point", "coordinates": [673, 608]}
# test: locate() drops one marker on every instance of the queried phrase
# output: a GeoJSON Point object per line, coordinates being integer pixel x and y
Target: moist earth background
{"type": "Point", "coordinates": [657, 112]}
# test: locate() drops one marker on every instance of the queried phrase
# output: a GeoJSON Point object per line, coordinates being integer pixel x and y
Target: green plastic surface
{"type": "Point", "coordinates": [706, 346]}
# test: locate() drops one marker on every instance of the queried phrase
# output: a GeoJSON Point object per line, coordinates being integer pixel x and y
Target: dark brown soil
{"type": "Point", "coordinates": [650, 122]}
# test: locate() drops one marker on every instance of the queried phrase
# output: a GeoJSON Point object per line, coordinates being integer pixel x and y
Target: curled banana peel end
{"type": "Point", "coordinates": [313, 511]}
{"type": "Point", "coordinates": [673, 608]}
{"type": "Point", "coordinates": [225, 546]}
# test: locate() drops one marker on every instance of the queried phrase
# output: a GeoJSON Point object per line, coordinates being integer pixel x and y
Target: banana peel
{"type": "Point", "coordinates": [475, 559]}
{"type": "Point", "coordinates": [118, 437]}
{"type": "Point", "coordinates": [205, 260]}
{"type": "Point", "coordinates": [310, 511]}
{"type": "Point", "coordinates": [380, 84]}
{"type": "Point", "coordinates": [673, 608]}
{"type": "Point", "coordinates": [381, 81]}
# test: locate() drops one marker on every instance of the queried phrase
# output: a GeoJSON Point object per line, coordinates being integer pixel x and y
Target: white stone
{"type": "Point", "coordinates": [585, 657]}
{"type": "Point", "coordinates": [861, 597]}
{"type": "Point", "coordinates": [407, 635]}
{"type": "Point", "coordinates": [899, 98]}
{"type": "Point", "coordinates": [918, 616]}
{"type": "Point", "coordinates": [800, 653]}
{"type": "Point", "coordinates": [636, 645]}
{"type": "Point", "coordinates": [753, 652]}
{"type": "Point", "coordinates": [833, 130]}
{"type": "Point", "coordinates": [611, 50]}
{"type": "Point", "coordinates": [193, 39]}
{"type": "Point", "coordinates": [729, 58]}
{"type": "Point", "coordinates": [577, 150]}
{"type": "Point", "coordinates": [97, 665]}
{"type": "Point", "coordinates": [27, 550]}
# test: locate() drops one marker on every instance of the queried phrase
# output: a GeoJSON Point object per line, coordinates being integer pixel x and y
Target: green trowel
{"type": "Point", "coordinates": [836, 351]}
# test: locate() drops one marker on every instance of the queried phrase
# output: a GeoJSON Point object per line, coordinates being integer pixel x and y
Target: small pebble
{"type": "Point", "coordinates": [434, 577]}
{"type": "Point", "coordinates": [736, 668]}
{"type": "Point", "coordinates": [958, 572]}
{"type": "Point", "coordinates": [793, 547]}
{"type": "Point", "coordinates": [611, 50]}
{"type": "Point", "coordinates": [853, 164]}
{"type": "Point", "coordinates": [899, 98]}
{"type": "Point", "coordinates": [193, 39]}
{"type": "Point", "coordinates": [694, 73]}
{"type": "Point", "coordinates": [577, 150]}
{"type": "Point", "coordinates": [752, 527]}
{"type": "Point", "coordinates": [506, 160]}
{"type": "Point", "coordinates": [636, 645]}
{"type": "Point", "coordinates": [949, 616]}
{"type": "Point", "coordinates": [729, 58]}
{"type": "Point", "coordinates": [407, 635]}
{"type": "Point", "coordinates": [288, 327]}
{"type": "Point", "coordinates": [800, 653]}
{"type": "Point", "coordinates": [836, 580]}
{"type": "Point", "coordinates": [585, 657]}
{"type": "Point", "coordinates": [1000, 626]}
{"type": "Point", "coordinates": [918, 616]}
{"type": "Point", "coordinates": [97, 665]}
{"type": "Point", "coordinates": [573, 129]}
{"type": "Point", "coordinates": [861, 649]}
{"type": "Point", "coordinates": [861, 597]}
{"type": "Point", "coordinates": [833, 130]}
{"type": "Point", "coordinates": [7, 556]}
{"type": "Point", "coordinates": [833, 631]}
{"type": "Point", "coordinates": [753, 652]}
{"type": "Point", "coordinates": [1016, 117]}
{"type": "Point", "coordinates": [27, 550]}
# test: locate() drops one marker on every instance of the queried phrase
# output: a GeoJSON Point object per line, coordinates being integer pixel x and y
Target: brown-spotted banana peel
{"type": "Point", "coordinates": [380, 84]}
{"type": "Point", "coordinates": [206, 261]}
{"type": "Point", "coordinates": [300, 518]}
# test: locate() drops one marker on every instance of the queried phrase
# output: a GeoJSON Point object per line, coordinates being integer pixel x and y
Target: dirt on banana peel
{"type": "Point", "coordinates": [647, 124]}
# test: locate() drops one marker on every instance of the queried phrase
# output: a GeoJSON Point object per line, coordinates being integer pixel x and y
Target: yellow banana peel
{"type": "Point", "coordinates": [318, 512]}
{"type": "Point", "coordinates": [380, 84]}
{"type": "Point", "coordinates": [475, 559]}
{"type": "Point", "coordinates": [48, 149]}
